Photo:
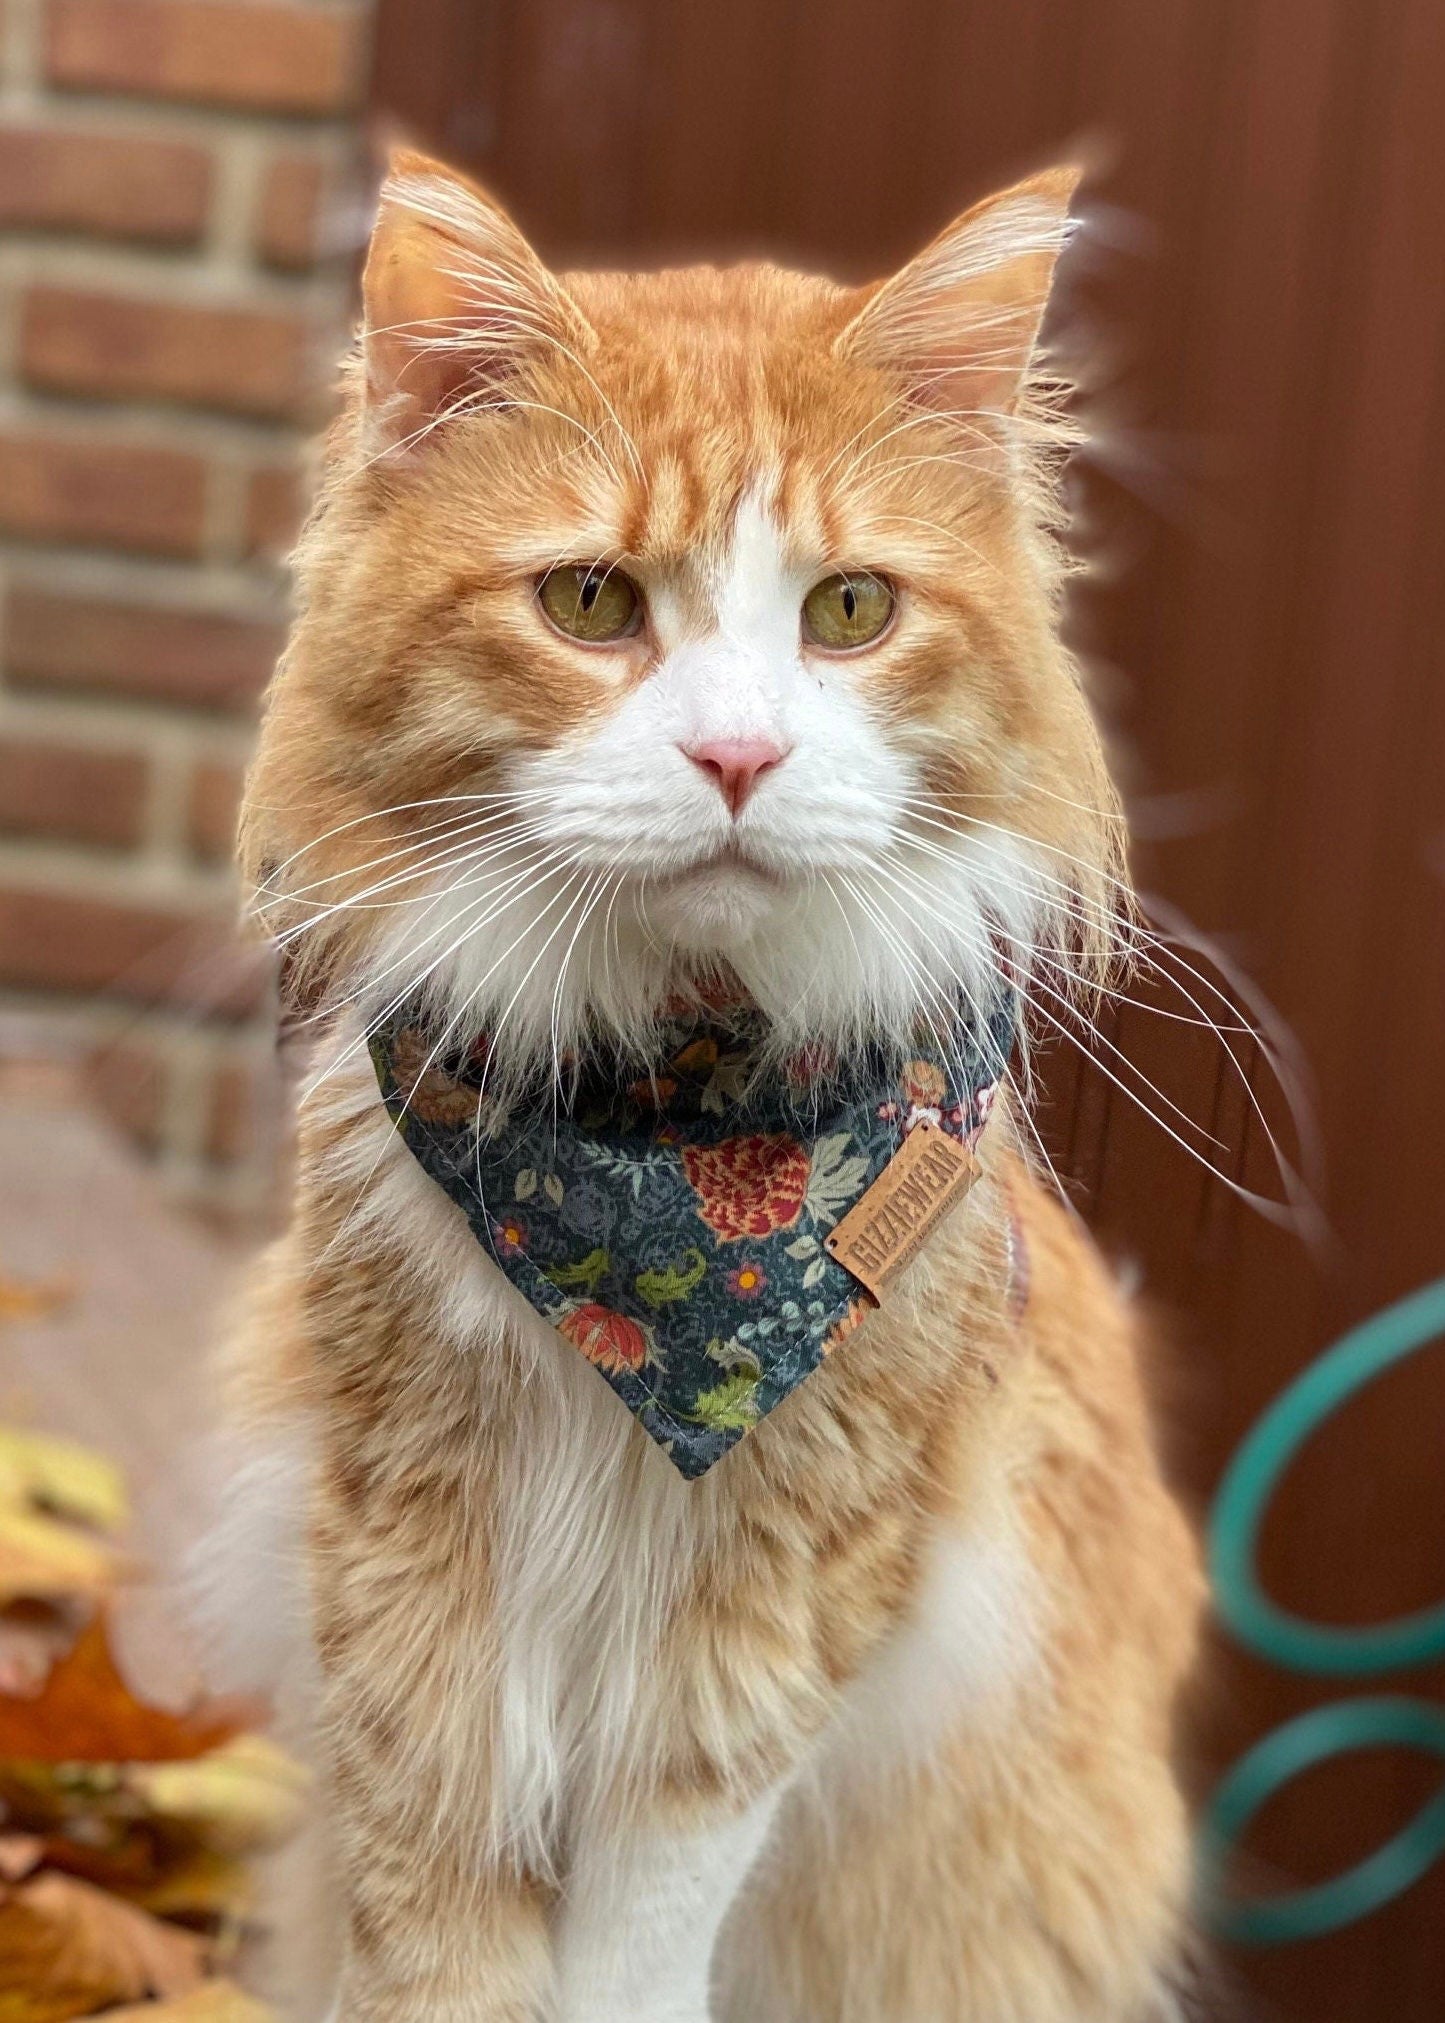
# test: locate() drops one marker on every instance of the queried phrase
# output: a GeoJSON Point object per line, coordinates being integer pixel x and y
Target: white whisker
{"type": "Point", "coordinates": [1143, 948]}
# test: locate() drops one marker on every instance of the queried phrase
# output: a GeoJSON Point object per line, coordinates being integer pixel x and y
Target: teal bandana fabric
{"type": "Point", "coordinates": [671, 1224]}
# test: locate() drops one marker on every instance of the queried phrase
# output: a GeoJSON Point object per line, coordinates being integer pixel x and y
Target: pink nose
{"type": "Point", "coordinates": [736, 765]}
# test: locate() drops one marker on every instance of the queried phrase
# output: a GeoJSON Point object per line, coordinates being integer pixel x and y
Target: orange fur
{"type": "Point", "coordinates": [552, 1673]}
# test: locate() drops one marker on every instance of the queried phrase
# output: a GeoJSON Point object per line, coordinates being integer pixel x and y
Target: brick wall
{"type": "Point", "coordinates": [179, 208]}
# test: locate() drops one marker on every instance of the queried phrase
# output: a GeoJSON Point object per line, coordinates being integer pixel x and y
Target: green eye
{"type": "Point", "coordinates": [592, 604]}
{"type": "Point", "coordinates": [847, 610]}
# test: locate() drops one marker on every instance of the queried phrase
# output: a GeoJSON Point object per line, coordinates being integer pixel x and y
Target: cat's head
{"type": "Point", "coordinates": [660, 625]}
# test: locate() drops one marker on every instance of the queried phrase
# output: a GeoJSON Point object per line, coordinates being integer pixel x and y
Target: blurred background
{"type": "Point", "coordinates": [184, 188]}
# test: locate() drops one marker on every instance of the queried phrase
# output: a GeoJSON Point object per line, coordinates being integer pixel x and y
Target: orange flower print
{"type": "Point", "coordinates": [697, 1058]}
{"type": "Point", "coordinates": [853, 1316]}
{"type": "Point", "coordinates": [511, 1236]}
{"type": "Point", "coordinates": [748, 1186]}
{"type": "Point", "coordinates": [426, 1089]}
{"type": "Point", "coordinates": [924, 1084]}
{"type": "Point", "coordinates": [747, 1281]}
{"type": "Point", "coordinates": [653, 1093]}
{"type": "Point", "coordinates": [610, 1340]}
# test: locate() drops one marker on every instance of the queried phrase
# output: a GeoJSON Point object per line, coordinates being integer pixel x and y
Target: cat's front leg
{"type": "Point", "coordinates": [635, 1930]}
{"type": "Point", "coordinates": [439, 1923]}
{"type": "Point", "coordinates": [489, 1967]}
{"type": "Point", "coordinates": [431, 1935]}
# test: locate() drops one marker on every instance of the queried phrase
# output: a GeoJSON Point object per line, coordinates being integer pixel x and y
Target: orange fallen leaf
{"type": "Point", "coordinates": [67, 1949]}
{"type": "Point", "coordinates": [86, 1713]}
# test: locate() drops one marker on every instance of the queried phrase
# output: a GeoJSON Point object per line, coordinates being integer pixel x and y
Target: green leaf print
{"type": "Point", "coordinates": [730, 1405]}
{"type": "Point", "coordinates": [588, 1274]}
{"type": "Point", "coordinates": [673, 1282]}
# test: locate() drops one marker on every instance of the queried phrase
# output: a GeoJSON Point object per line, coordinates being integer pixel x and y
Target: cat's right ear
{"type": "Point", "coordinates": [455, 303]}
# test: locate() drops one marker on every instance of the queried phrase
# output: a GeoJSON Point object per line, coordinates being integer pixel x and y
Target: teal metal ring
{"type": "Point", "coordinates": [1383, 1721]}
{"type": "Point", "coordinates": [1268, 1449]}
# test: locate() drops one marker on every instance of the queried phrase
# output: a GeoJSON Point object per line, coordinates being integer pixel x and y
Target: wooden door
{"type": "Point", "coordinates": [1265, 627]}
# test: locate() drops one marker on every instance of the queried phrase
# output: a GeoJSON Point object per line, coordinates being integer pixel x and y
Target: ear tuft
{"type": "Point", "coordinates": [960, 321]}
{"type": "Point", "coordinates": [455, 301]}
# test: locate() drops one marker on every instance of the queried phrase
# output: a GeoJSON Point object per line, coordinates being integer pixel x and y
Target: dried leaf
{"type": "Point", "coordinates": [246, 1795]}
{"type": "Point", "coordinates": [87, 1714]}
{"type": "Point", "coordinates": [67, 1949]}
{"type": "Point", "coordinates": [128, 1860]}
{"type": "Point", "coordinates": [212, 2002]}
{"type": "Point", "coordinates": [172, 1878]}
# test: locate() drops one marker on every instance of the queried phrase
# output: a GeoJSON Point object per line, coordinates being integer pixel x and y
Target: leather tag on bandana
{"type": "Point", "coordinates": [882, 1234]}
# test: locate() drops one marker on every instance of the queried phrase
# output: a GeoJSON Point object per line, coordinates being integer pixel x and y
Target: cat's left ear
{"type": "Point", "coordinates": [456, 302]}
{"type": "Point", "coordinates": [960, 321]}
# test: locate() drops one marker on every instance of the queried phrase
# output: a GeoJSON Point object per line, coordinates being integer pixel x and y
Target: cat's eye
{"type": "Point", "coordinates": [595, 605]}
{"type": "Point", "coordinates": [849, 609]}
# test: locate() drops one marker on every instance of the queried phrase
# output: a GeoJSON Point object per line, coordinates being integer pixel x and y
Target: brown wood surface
{"type": "Point", "coordinates": [1265, 625]}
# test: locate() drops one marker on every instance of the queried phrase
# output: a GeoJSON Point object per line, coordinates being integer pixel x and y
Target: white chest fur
{"type": "Point", "coordinates": [596, 1537]}
{"type": "Point", "coordinates": [596, 1532]}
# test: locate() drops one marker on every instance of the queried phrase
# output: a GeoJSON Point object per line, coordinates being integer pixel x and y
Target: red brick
{"type": "Point", "coordinates": [91, 489]}
{"type": "Point", "coordinates": [248, 361]}
{"type": "Point", "coordinates": [275, 508]}
{"type": "Point", "coordinates": [64, 791]}
{"type": "Point", "coordinates": [211, 52]}
{"type": "Point", "coordinates": [120, 186]}
{"type": "Point", "coordinates": [210, 659]}
{"type": "Point", "coordinates": [288, 215]}
{"type": "Point", "coordinates": [128, 1080]}
{"type": "Point", "coordinates": [215, 800]}
{"type": "Point", "coordinates": [149, 955]}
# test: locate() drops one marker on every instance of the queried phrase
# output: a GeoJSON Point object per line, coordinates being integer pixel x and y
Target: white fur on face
{"type": "Point", "coordinates": [630, 797]}
{"type": "Point", "coordinates": [840, 911]}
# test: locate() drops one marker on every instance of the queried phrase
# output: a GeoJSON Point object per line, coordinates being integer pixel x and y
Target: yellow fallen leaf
{"type": "Point", "coordinates": [67, 1949]}
{"type": "Point", "coordinates": [246, 1795]}
{"type": "Point", "coordinates": [49, 1489]}
{"type": "Point", "coordinates": [212, 2002]}
{"type": "Point", "coordinates": [203, 1885]}
{"type": "Point", "coordinates": [43, 1559]}
{"type": "Point", "coordinates": [61, 1476]}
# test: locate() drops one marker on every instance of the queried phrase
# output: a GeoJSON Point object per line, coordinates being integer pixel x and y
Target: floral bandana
{"type": "Point", "coordinates": [673, 1227]}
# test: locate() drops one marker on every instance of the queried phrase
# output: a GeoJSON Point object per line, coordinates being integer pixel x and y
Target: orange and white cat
{"type": "Point", "coordinates": [654, 629]}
